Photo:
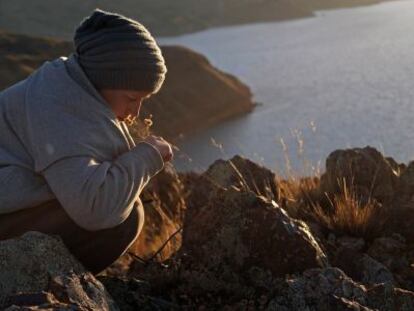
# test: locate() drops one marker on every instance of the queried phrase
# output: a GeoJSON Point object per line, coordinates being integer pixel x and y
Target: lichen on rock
{"type": "Point", "coordinates": [37, 269]}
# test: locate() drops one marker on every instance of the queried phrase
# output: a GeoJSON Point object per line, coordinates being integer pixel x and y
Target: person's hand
{"type": "Point", "coordinates": [162, 146]}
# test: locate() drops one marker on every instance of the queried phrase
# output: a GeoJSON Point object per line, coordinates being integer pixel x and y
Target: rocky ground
{"type": "Point", "coordinates": [242, 239]}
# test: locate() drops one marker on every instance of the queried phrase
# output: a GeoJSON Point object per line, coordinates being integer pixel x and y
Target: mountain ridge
{"type": "Point", "coordinates": [160, 16]}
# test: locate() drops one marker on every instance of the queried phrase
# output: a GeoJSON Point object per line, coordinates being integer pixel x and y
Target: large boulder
{"type": "Point", "coordinates": [38, 270]}
{"type": "Point", "coordinates": [232, 219]}
{"type": "Point", "coordinates": [234, 234]}
{"type": "Point", "coordinates": [243, 173]}
{"type": "Point", "coordinates": [223, 174]}
{"type": "Point", "coordinates": [239, 230]}
{"type": "Point", "coordinates": [363, 170]}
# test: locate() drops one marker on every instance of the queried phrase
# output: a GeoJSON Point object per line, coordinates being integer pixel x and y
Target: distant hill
{"type": "Point", "coordinates": [195, 94]}
{"type": "Point", "coordinates": [58, 18]}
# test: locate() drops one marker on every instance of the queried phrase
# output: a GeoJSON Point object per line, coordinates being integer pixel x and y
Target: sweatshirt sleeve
{"type": "Point", "coordinates": [101, 195]}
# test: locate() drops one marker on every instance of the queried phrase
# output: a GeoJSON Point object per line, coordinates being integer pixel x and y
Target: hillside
{"type": "Point", "coordinates": [162, 17]}
{"type": "Point", "coordinates": [195, 94]}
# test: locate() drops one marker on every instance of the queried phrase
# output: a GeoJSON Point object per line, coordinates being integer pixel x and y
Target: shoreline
{"type": "Point", "coordinates": [312, 14]}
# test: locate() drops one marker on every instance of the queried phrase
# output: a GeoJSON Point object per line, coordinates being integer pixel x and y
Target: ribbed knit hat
{"type": "Point", "coordinates": [119, 53]}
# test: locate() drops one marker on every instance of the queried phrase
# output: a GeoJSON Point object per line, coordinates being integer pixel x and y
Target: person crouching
{"type": "Point", "coordinates": [68, 165]}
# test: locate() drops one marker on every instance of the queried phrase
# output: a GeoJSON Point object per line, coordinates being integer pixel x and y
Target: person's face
{"type": "Point", "coordinates": [125, 104]}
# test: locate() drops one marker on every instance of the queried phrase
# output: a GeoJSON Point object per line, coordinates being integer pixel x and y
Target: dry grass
{"type": "Point", "coordinates": [297, 194]}
{"type": "Point", "coordinates": [298, 190]}
{"type": "Point", "coordinates": [139, 129]}
{"type": "Point", "coordinates": [342, 213]}
{"type": "Point", "coordinates": [347, 214]}
{"type": "Point", "coordinates": [300, 194]}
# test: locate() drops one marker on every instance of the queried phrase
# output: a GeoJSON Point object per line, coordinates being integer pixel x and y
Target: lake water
{"type": "Point", "coordinates": [344, 78]}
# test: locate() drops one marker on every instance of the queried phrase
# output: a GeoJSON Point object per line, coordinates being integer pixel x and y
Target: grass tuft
{"type": "Point", "coordinates": [347, 213]}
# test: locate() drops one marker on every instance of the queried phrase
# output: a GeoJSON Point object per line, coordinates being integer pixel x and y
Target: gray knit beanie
{"type": "Point", "coordinates": [119, 53]}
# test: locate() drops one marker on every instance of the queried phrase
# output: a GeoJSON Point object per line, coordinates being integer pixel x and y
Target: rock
{"type": "Point", "coordinates": [246, 174]}
{"type": "Point", "coordinates": [331, 289]}
{"type": "Point", "coordinates": [229, 229]}
{"type": "Point", "coordinates": [323, 289]}
{"type": "Point", "coordinates": [233, 247]}
{"type": "Point", "coordinates": [132, 294]}
{"type": "Point", "coordinates": [361, 267]}
{"type": "Point", "coordinates": [374, 272]}
{"type": "Point", "coordinates": [38, 269]}
{"type": "Point", "coordinates": [389, 251]}
{"type": "Point", "coordinates": [364, 170]}
{"type": "Point", "coordinates": [393, 252]}
{"type": "Point", "coordinates": [356, 244]}
{"type": "Point", "coordinates": [34, 302]}
{"type": "Point", "coordinates": [231, 257]}
{"type": "Point", "coordinates": [242, 230]}
{"type": "Point", "coordinates": [236, 172]}
{"type": "Point", "coordinates": [399, 221]}
{"type": "Point", "coordinates": [316, 289]}
{"type": "Point", "coordinates": [385, 297]}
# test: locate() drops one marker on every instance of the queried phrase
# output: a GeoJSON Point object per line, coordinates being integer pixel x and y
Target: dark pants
{"type": "Point", "coordinates": [96, 250]}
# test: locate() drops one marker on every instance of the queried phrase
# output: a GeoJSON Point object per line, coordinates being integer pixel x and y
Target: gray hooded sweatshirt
{"type": "Point", "coordinates": [60, 140]}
